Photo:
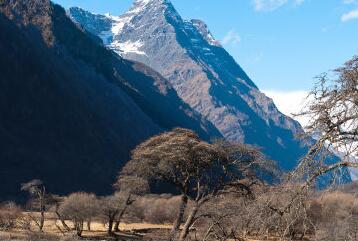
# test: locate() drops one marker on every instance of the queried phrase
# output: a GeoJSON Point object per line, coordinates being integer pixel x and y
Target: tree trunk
{"type": "Point", "coordinates": [62, 221]}
{"type": "Point", "coordinates": [116, 226]}
{"type": "Point", "coordinates": [79, 228]}
{"type": "Point", "coordinates": [189, 221]}
{"type": "Point", "coordinates": [42, 219]}
{"type": "Point", "coordinates": [118, 221]}
{"type": "Point", "coordinates": [42, 209]}
{"type": "Point", "coordinates": [110, 226]}
{"type": "Point", "coordinates": [89, 225]}
{"type": "Point", "coordinates": [179, 219]}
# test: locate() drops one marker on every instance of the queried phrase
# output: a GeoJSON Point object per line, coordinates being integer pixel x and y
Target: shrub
{"type": "Point", "coordinates": [338, 217]}
{"type": "Point", "coordinates": [79, 208]}
{"type": "Point", "coordinates": [158, 209]}
{"type": "Point", "coordinates": [10, 214]}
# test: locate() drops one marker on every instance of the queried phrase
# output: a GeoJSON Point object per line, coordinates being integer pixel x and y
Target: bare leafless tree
{"type": "Point", "coordinates": [199, 170]}
{"type": "Point", "coordinates": [79, 208]}
{"type": "Point", "coordinates": [222, 218]}
{"type": "Point", "coordinates": [55, 209]}
{"type": "Point", "coordinates": [111, 207]}
{"type": "Point", "coordinates": [333, 112]}
{"type": "Point", "coordinates": [128, 187]}
{"type": "Point", "coordinates": [39, 199]}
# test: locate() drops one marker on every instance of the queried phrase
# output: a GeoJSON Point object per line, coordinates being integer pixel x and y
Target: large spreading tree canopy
{"type": "Point", "coordinates": [199, 170]}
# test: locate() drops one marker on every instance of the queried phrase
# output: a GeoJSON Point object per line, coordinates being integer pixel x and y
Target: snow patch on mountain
{"type": "Point", "coordinates": [143, 2]}
{"type": "Point", "coordinates": [138, 6]}
{"type": "Point", "coordinates": [127, 47]}
{"type": "Point", "coordinates": [118, 23]}
{"type": "Point", "coordinates": [205, 32]}
{"type": "Point", "coordinates": [106, 37]}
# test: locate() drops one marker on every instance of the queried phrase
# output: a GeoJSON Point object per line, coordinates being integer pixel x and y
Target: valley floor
{"type": "Point", "coordinates": [53, 231]}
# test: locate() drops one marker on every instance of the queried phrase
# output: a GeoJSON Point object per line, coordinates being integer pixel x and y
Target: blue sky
{"type": "Point", "coordinates": [281, 44]}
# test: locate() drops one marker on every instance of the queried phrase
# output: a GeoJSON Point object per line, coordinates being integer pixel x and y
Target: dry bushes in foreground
{"type": "Point", "coordinates": [156, 209]}
{"type": "Point", "coordinates": [336, 216]}
{"type": "Point", "coordinates": [329, 216]}
{"type": "Point", "coordinates": [10, 216]}
{"type": "Point", "coordinates": [38, 236]}
{"type": "Point", "coordinates": [79, 208]}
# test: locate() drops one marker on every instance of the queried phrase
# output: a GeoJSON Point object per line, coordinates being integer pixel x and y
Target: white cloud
{"type": "Point", "coordinates": [270, 5]}
{"type": "Point", "coordinates": [349, 1]}
{"type": "Point", "coordinates": [290, 102]}
{"type": "Point", "coordinates": [299, 2]}
{"type": "Point", "coordinates": [232, 37]}
{"type": "Point", "coordinates": [350, 15]}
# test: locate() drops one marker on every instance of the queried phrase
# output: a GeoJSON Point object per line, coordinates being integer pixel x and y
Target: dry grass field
{"type": "Point", "coordinates": [52, 230]}
{"type": "Point", "coordinates": [98, 231]}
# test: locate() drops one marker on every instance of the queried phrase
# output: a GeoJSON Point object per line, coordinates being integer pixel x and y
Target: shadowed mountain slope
{"type": "Point", "coordinates": [72, 110]}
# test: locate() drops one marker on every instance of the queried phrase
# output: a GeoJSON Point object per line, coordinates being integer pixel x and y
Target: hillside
{"type": "Point", "coordinates": [71, 110]}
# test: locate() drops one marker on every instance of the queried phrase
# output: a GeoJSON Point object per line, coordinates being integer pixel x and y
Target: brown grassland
{"type": "Point", "coordinates": [129, 231]}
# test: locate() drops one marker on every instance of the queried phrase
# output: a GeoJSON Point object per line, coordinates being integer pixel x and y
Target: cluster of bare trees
{"type": "Point", "coordinates": [74, 212]}
{"type": "Point", "coordinates": [81, 208]}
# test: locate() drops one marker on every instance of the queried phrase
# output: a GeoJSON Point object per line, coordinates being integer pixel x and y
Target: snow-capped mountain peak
{"type": "Point", "coordinates": [205, 76]}
{"type": "Point", "coordinates": [113, 26]}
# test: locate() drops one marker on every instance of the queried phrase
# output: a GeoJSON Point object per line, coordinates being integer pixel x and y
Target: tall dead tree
{"type": "Point", "coordinates": [333, 111]}
{"type": "Point", "coordinates": [332, 108]}
{"type": "Point", "coordinates": [39, 198]}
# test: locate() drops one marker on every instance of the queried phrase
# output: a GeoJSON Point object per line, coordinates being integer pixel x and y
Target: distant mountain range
{"type": "Point", "coordinates": [203, 74]}
{"type": "Point", "coordinates": [78, 93]}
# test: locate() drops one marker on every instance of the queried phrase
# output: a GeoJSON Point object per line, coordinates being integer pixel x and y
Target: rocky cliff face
{"type": "Point", "coordinates": [71, 110]}
{"type": "Point", "coordinates": [203, 74]}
